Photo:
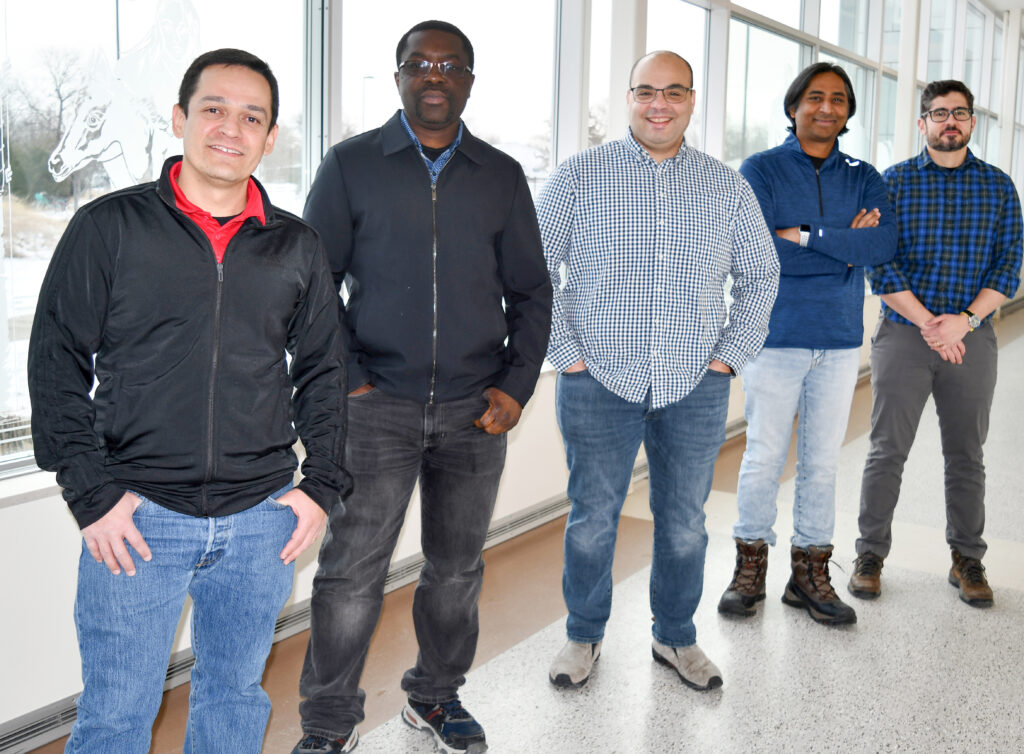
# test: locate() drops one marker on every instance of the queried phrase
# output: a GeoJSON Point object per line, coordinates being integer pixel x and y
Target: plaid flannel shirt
{"type": "Point", "coordinates": [960, 230]}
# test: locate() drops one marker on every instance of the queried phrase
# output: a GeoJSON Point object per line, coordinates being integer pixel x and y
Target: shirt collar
{"type": "Point", "coordinates": [642, 154]}
{"type": "Point", "coordinates": [924, 159]}
{"type": "Point", "coordinates": [253, 200]}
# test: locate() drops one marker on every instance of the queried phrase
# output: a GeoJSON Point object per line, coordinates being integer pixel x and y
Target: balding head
{"type": "Point", "coordinates": [656, 53]}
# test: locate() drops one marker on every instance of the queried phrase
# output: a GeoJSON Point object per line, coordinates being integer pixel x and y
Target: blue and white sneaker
{"type": "Point", "coordinates": [455, 731]}
{"type": "Point", "coordinates": [311, 744]}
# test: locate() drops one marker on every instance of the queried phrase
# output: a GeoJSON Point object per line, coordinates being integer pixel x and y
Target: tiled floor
{"type": "Point", "coordinates": [920, 671]}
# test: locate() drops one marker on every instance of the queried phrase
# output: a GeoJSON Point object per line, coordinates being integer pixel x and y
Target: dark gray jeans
{"type": "Point", "coordinates": [393, 443]}
{"type": "Point", "coordinates": [904, 372]}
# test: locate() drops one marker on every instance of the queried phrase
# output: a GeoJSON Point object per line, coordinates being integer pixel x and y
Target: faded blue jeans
{"type": "Point", "coordinates": [602, 434]}
{"type": "Point", "coordinates": [779, 384]}
{"type": "Point", "coordinates": [392, 443]}
{"type": "Point", "coordinates": [231, 567]}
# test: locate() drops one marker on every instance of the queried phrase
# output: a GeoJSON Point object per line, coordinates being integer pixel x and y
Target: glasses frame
{"type": "Point", "coordinates": [419, 69]}
{"type": "Point", "coordinates": [674, 88]}
{"type": "Point", "coordinates": [931, 114]}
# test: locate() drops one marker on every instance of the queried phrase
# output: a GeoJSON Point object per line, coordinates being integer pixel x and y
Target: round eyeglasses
{"type": "Point", "coordinates": [421, 68]}
{"type": "Point", "coordinates": [673, 94]}
{"type": "Point", "coordinates": [941, 114]}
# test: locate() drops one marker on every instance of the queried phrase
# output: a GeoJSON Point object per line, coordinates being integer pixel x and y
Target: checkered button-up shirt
{"type": "Point", "coordinates": [646, 248]}
{"type": "Point", "coordinates": [960, 230]}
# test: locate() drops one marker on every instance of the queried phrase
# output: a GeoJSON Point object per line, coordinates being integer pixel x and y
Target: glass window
{"type": "Point", "coordinates": [1020, 77]}
{"type": "Point", "coordinates": [886, 124]}
{"type": "Point", "coordinates": [974, 43]}
{"type": "Point", "coordinates": [940, 40]}
{"type": "Point", "coordinates": [845, 23]}
{"type": "Point", "coordinates": [979, 139]}
{"type": "Point", "coordinates": [761, 67]}
{"type": "Point", "coordinates": [857, 141]}
{"type": "Point", "coordinates": [506, 71]}
{"type": "Point", "coordinates": [1018, 162]}
{"type": "Point", "coordinates": [992, 141]}
{"type": "Point", "coordinates": [891, 33]}
{"type": "Point", "coordinates": [86, 107]}
{"type": "Point", "coordinates": [600, 74]}
{"type": "Point", "coordinates": [682, 28]}
{"type": "Point", "coordinates": [784, 11]}
{"type": "Point", "coordinates": [995, 97]}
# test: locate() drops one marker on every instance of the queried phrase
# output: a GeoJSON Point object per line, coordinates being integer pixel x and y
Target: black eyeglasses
{"type": "Point", "coordinates": [672, 94]}
{"type": "Point", "coordinates": [941, 114]}
{"type": "Point", "coordinates": [421, 68]}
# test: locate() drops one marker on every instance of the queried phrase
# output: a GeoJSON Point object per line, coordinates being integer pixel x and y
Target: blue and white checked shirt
{"type": "Point", "coordinates": [647, 248]}
{"type": "Point", "coordinates": [960, 230]}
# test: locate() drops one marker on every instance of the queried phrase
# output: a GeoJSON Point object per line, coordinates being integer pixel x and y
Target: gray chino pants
{"type": "Point", "coordinates": [904, 372]}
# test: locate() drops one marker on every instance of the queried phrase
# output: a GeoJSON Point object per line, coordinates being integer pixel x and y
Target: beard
{"type": "Point", "coordinates": [948, 142]}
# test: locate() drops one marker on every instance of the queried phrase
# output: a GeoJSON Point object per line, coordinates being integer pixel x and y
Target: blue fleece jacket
{"type": "Point", "coordinates": [821, 297]}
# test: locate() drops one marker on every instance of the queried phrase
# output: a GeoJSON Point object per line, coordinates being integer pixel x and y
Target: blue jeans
{"type": "Point", "coordinates": [392, 443]}
{"type": "Point", "coordinates": [231, 568]}
{"type": "Point", "coordinates": [602, 434]}
{"type": "Point", "coordinates": [780, 384]}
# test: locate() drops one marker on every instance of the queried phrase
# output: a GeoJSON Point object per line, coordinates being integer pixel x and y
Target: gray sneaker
{"type": "Point", "coordinates": [692, 665]}
{"type": "Point", "coordinates": [312, 744]}
{"type": "Point", "coordinates": [573, 664]}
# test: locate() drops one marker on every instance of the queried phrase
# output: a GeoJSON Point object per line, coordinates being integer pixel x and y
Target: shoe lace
{"type": "Point", "coordinates": [819, 576]}
{"type": "Point", "coordinates": [745, 576]}
{"type": "Point", "coordinates": [453, 710]}
{"type": "Point", "coordinates": [972, 571]}
{"type": "Point", "coordinates": [868, 564]}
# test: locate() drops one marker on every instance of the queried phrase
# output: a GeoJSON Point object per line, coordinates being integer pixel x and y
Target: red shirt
{"type": "Point", "coordinates": [219, 235]}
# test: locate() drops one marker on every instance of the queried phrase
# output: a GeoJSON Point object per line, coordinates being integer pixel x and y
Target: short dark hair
{"type": "Point", "coordinates": [227, 56]}
{"type": "Point", "coordinates": [660, 52]}
{"type": "Point", "coordinates": [434, 26]}
{"type": "Point", "coordinates": [941, 89]}
{"type": "Point", "coordinates": [803, 80]}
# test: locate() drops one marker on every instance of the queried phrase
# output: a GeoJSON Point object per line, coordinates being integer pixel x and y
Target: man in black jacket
{"type": "Point", "coordinates": [181, 299]}
{"type": "Point", "coordinates": [434, 235]}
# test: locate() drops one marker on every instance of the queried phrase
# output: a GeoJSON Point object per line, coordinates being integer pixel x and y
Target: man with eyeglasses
{"type": "Point", "coordinates": [830, 216]}
{"type": "Point", "coordinates": [647, 229]}
{"type": "Point", "coordinates": [958, 257]}
{"type": "Point", "coordinates": [434, 235]}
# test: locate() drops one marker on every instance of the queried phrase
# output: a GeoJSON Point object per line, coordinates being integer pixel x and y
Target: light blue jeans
{"type": "Point", "coordinates": [231, 568]}
{"type": "Point", "coordinates": [781, 383]}
{"type": "Point", "coordinates": [602, 434]}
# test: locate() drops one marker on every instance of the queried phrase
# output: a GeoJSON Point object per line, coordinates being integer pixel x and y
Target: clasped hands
{"type": "Point", "coordinates": [944, 334]}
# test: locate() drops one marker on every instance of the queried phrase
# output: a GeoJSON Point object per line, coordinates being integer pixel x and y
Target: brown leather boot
{"type": "Point", "coordinates": [969, 574]}
{"type": "Point", "coordinates": [866, 581]}
{"type": "Point", "coordinates": [810, 587]}
{"type": "Point", "coordinates": [747, 587]}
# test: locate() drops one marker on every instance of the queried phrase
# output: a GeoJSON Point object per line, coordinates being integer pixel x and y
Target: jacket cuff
{"type": "Point", "coordinates": [325, 496]}
{"type": "Point", "coordinates": [90, 510]}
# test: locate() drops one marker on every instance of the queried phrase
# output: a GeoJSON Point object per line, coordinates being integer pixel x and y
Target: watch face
{"type": "Point", "coordinates": [974, 322]}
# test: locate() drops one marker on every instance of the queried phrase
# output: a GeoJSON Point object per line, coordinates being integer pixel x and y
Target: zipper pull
{"type": "Point", "coordinates": [220, 272]}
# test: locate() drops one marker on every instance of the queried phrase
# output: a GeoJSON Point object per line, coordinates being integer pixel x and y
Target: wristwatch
{"type": "Point", "coordinates": [805, 234]}
{"type": "Point", "coordinates": [972, 320]}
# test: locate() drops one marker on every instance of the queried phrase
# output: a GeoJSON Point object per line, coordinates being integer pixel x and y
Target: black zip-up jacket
{"type": "Point", "coordinates": [194, 403]}
{"type": "Point", "coordinates": [427, 268]}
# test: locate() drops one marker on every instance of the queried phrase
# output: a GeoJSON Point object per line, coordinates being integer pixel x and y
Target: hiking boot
{"type": "Point", "coordinates": [692, 665]}
{"type": "Point", "coordinates": [866, 581]}
{"type": "Point", "coordinates": [312, 744]}
{"type": "Point", "coordinates": [453, 728]}
{"type": "Point", "coordinates": [573, 664]}
{"type": "Point", "coordinates": [810, 587]}
{"type": "Point", "coordinates": [747, 587]}
{"type": "Point", "coordinates": [969, 575]}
